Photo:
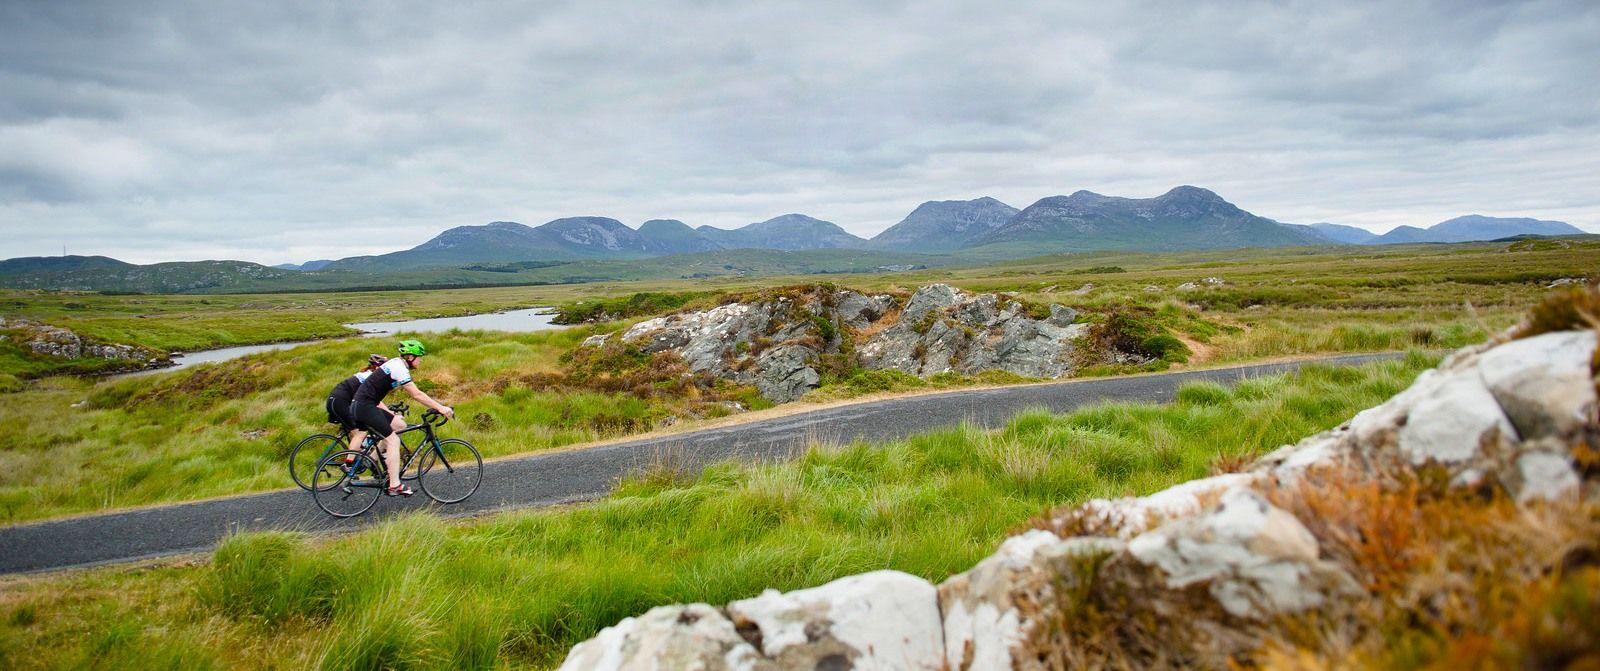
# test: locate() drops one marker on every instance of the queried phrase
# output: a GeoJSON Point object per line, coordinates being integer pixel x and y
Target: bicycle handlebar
{"type": "Point", "coordinates": [399, 408]}
{"type": "Point", "coordinates": [430, 415]}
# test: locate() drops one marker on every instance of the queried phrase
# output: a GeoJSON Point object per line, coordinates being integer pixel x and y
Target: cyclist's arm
{"type": "Point", "coordinates": [423, 398]}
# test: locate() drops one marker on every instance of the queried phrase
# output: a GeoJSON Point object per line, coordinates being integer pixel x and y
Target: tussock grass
{"type": "Point", "coordinates": [518, 589]}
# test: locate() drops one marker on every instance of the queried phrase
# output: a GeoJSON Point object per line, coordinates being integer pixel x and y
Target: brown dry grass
{"type": "Point", "coordinates": [1452, 579]}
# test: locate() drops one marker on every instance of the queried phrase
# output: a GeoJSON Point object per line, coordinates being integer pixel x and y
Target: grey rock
{"type": "Point", "coordinates": [858, 311]}
{"type": "Point", "coordinates": [785, 373]}
{"type": "Point", "coordinates": [982, 309]}
{"type": "Point", "coordinates": [929, 298]}
{"type": "Point", "coordinates": [775, 345]}
{"type": "Point", "coordinates": [1061, 315]}
{"type": "Point", "coordinates": [596, 340]}
{"type": "Point", "coordinates": [979, 334]}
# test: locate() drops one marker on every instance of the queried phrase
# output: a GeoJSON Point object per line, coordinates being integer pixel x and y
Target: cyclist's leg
{"type": "Point", "coordinates": [357, 436]}
{"type": "Point", "coordinates": [391, 450]}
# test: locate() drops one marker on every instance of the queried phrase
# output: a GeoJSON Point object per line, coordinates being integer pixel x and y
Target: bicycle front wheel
{"type": "Point", "coordinates": [309, 452]}
{"type": "Point", "coordinates": [347, 483]}
{"type": "Point", "coordinates": [450, 471]}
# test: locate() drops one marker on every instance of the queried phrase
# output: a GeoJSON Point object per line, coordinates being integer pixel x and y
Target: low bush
{"type": "Point", "coordinates": [1166, 348]}
{"type": "Point", "coordinates": [873, 381]}
{"type": "Point", "coordinates": [635, 305]}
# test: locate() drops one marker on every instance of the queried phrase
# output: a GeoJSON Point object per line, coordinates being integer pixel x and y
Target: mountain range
{"type": "Point", "coordinates": [1184, 218]}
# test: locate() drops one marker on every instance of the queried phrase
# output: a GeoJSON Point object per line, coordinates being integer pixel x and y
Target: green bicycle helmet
{"type": "Point", "coordinates": [413, 347]}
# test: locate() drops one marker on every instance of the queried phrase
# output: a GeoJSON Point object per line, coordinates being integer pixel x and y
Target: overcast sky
{"type": "Point", "coordinates": [283, 132]}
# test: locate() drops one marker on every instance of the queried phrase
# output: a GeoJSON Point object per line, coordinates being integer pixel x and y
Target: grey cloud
{"type": "Point", "coordinates": [273, 126]}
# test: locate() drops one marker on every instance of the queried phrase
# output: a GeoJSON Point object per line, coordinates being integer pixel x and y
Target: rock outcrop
{"type": "Point", "coordinates": [777, 343]}
{"type": "Point", "coordinates": [944, 329]}
{"type": "Point", "coordinates": [774, 344]}
{"type": "Point", "coordinates": [1517, 416]}
{"type": "Point", "coordinates": [54, 341]}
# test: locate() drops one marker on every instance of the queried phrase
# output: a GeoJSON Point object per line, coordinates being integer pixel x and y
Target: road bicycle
{"type": "Point", "coordinates": [312, 449]}
{"type": "Point", "coordinates": [348, 482]}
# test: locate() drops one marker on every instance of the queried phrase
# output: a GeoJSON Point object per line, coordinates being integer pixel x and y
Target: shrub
{"type": "Point", "coordinates": [605, 309]}
{"type": "Point", "coordinates": [824, 327]}
{"type": "Point", "coordinates": [869, 381]}
{"type": "Point", "coordinates": [1165, 348]}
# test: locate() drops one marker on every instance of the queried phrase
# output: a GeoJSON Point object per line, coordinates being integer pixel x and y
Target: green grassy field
{"type": "Point", "coordinates": [218, 430]}
{"type": "Point", "coordinates": [516, 590]}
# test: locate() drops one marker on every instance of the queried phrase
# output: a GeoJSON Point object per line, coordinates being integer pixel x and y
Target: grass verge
{"type": "Point", "coordinates": [517, 590]}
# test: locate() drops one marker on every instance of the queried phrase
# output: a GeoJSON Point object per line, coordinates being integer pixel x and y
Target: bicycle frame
{"type": "Point", "coordinates": [430, 441]}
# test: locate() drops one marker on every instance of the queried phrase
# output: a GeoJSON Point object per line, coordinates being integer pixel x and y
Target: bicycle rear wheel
{"type": "Point", "coordinates": [343, 490]}
{"type": "Point", "coordinates": [309, 452]}
{"type": "Point", "coordinates": [450, 471]}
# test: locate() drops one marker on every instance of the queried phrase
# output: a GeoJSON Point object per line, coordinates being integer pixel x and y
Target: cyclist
{"type": "Point", "coordinates": [344, 393]}
{"type": "Point", "coordinates": [372, 416]}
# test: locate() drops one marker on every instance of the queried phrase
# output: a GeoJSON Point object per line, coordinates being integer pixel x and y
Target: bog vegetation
{"type": "Point", "coordinates": [225, 429]}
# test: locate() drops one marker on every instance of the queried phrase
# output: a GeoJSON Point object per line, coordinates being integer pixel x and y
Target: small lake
{"type": "Point", "coordinates": [531, 319]}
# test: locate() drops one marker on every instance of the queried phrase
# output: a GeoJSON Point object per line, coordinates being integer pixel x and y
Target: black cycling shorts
{"type": "Point", "coordinates": [372, 418]}
{"type": "Point", "coordinates": [339, 413]}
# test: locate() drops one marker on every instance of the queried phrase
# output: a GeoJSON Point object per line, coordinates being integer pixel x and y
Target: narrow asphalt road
{"type": "Point", "coordinates": [576, 475]}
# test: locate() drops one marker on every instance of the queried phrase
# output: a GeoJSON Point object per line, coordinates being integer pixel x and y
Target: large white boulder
{"type": "Point", "coordinates": [878, 620]}
{"type": "Point", "coordinates": [992, 612]}
{"type": "Point", "coordinates": [695, 636]}
{"type": "Point", "coordinates": [1255, 559]}
{"type": "Point", "coordinates": [1543, 383]}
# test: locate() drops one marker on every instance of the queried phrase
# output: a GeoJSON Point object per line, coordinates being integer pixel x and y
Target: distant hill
{"type": "Point", "coordinates": [790, 232]}
{"type": "Point", "coordinates": [945, 225]}
{"type": "Point", "coordinates": [56, 264]}
{"type": "Point", "coordinates": [670, 236]}
{"type": "Point", "coordinates": [99, 273]}
{"type": "Point", "coordinates": [1349, 235]}
{"type": "Point", "coordinates": [1477, 227]}
{"type": "Point", "coordinates": [595, 237]}
{"type": "Point", "coordinates": [1401, 235]}
{"type": "Point", "coordinates": [1186, 217]}
{"type": "Point", "coordinates": [309, 265]}
{"type": "Point", "coordinates": [221, 277]}
{"type": "Point", "coordinates": [567, 239]}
